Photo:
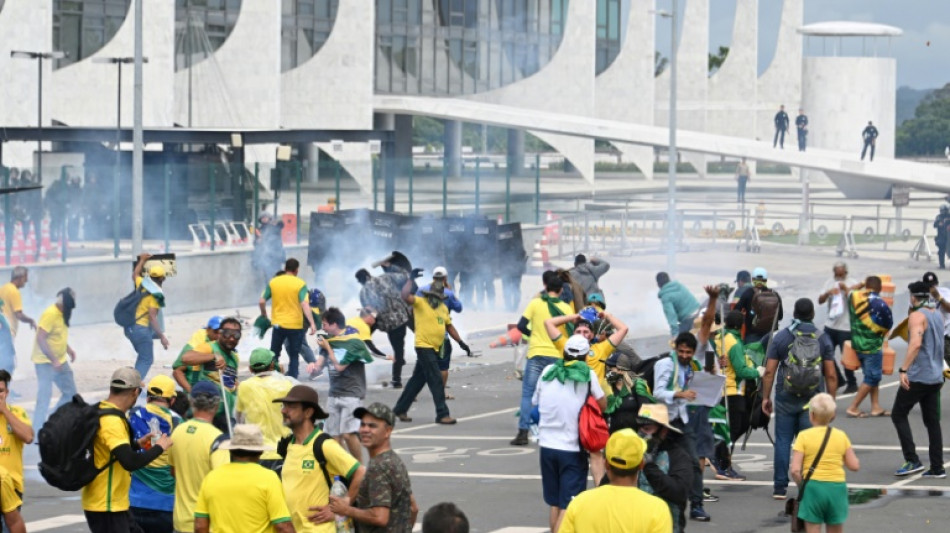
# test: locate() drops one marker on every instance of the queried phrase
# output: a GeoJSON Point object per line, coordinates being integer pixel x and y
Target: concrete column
{"type": "Point", "coordinates": [516, 151]}
{"type": "Point", "coordinates": [403, 125]}
{"type": "Point", "coordinates": [452, 151]}
{"type": "Point", "coordinates": [384, 121]}
{"type": "Point", "coordinates": [312, 172]}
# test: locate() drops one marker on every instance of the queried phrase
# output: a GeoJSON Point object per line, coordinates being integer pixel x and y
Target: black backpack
{"type": "Point", "coordinates": [284, 443]}
{"type": "Point", "coordinates": [67, 458]}
{"type": "Point", "coordinates": [803, 364]}
{"type": "Point", "coordinates": [124, 311]}
{"type": "Point", "coordinates": [645, 370]}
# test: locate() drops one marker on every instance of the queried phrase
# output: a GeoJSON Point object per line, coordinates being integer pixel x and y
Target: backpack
{"type": "Point", "coordinates": [591, 425]}
{"type": "Point", "coordinates": [124, 311]}
{"type": "Point", "coordinates": [67, 458]}
{"type": "Point", "coordinates": [284, 444]}
{"type": "Point", "coordinates": [318, 301]}
{"type": "Point", "coordinates": [803, 364]}
{"type": "Point", "coordinates": [646, 368]}
{"type": "Point", "coordinates": [764, 305]}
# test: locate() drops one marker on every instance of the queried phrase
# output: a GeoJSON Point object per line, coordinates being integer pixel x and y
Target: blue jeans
{"type": "Point", "coordinates": [294, 338]}
{"type": "Point", "coordinates": [790, 419]}
{"type": "Point", "coordinates": [7, 351]}
{"type": "Point", "coordinates": [532, 373]}
{"type": "Point", "coordinates": [872, 366]}
{"type": "Point", "coordinates": [141, 339]}
{"type": "Point", "coordinates": [46, 376]}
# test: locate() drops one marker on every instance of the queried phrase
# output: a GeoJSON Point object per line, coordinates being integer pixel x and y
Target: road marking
{"type": "Point", "coordinates": [463, 419]}
{"type": "Point", "coordinates": [55, 522]}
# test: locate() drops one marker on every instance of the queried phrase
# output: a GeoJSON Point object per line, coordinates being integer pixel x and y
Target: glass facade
{"type": "Point", "coordinates": [453, 47]}
{"type": "Point", "coordinates": [305, 26]}
{"type": "Point", "coordinates": [608, 33]}
{"type": "Point", "coordinates": [82, 27]}
{"type": "Point", "coordinates": [201, 27]}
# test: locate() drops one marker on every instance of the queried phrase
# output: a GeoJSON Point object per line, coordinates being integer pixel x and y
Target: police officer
{"type": "Point", "coordinates": [781, 127]}
{"type": "Point", "coordinates": [801, 124]}
{"type": "Point", "coordinates": [941, 223]}
{"type": "Point", "coordinates": [870, 139]}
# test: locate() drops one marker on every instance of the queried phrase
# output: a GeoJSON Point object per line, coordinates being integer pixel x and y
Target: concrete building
{"type": "Point", "coordinates": [319, 64]}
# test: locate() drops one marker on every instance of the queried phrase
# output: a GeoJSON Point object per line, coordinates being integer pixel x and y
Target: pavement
{"type": "Point", "coordinates": [497, 485]}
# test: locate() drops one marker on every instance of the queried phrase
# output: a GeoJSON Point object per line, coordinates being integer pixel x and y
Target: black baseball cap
{"type": "Point", "coordinates": [744, 276]}
{"type": "Point", "coordinates": [930, 279]}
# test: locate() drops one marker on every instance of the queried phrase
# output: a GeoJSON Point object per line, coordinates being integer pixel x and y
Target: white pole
{"type": "Point", "coordinates": [673, 157]}
{"type": "Point", "coordinates": [137, 140]}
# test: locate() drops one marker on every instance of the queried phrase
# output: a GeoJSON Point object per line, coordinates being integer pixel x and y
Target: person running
{"type": "Point", "coordinates": [385, 503]}
{"type": "Point", "coordinates": [290, 306]}
{"type": "Point", "coordinates": [838, 326]}
{"type": "Point", "coordinates": [15, 431]}
{"type": "Point", "coordinates": [52, 355]}
{"type": "Point", "coordinates": [149, 315]}
{"type": "Point", "coordinates": [587, 274]}
{"type": "Point", "coordinates": [541, 351]}
{"type": "Point", "coordinates": [439, 275]}
{"type": "Point", "coordinates": [871, 320]}
{"type": "Point", "coordinates": [824, 493]}
{"type": "Point", "coordinates": [921, 378]}
{"type": "Point", "coordinates": [255, 403]}
{"type": "Point", "coordinates": [620, 507]}
{"type": "Point", "coordinates": [186, 376]}
{"type": "Point", "coordinates": [679, 305]}
{"type": "Point", "coordinates": [12, 308]}
{"type": "Point", "coordinates": [196, 451]}
{"type": "Point", "coordinates": [227, 506]}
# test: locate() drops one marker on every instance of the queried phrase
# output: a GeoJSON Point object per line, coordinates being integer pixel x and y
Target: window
{"type": "Point", "coordinates": [608, 33]}
{"type": "Point", "coordinates": [305, 27]}
{"type": "Point", "coordinates": [201, 27]}
{"type": "Point", "coordinates": [82, 27]}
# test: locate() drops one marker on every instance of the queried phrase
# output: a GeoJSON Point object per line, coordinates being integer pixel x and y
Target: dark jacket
{"type": "Point", "coordinates": [673, 486]}
{"type": "Point", "coordinates": [781, 120]}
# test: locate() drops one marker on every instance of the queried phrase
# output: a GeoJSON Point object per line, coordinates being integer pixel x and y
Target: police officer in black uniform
{"type": "Point", "coordinates": [870, 139]}
{"type": "Point", "coordinates": [781, 127]}
{"type": "Point", "coordinates": [941, 223]}
{"type": "Point", "coordinates": [801, 124]}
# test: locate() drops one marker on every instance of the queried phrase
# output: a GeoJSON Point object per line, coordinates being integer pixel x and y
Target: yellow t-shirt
{"type": "Point", "coordinates": [9, 499]}
{"type": "Point", "coordinates": [595, 511]}
{"type": "Point", "coordinates": [242, 498]}
{"type": "Point", "coordinates": [110, 490]}
{"type": "Point", "coordinates": [596, 359]}
{"type": "Point", "coordinates": [192, 458]}
{"type": "Point", "coordinates": [12, 303]}
{"type": "Point", "coordinates": [539, 342]}
{"type": "Point", "coordinates": [364, 332]}
{"type": "Point", "coordinates": [304, 484]}
{"type": "Point", "coordinates": [831, 466]}
{"type": "Point", "coordinates": [51, 321]}
{"type": "Point", "coordinates": [149, 302]}
{"type": "Point", "coordinates": [11, 448]}
{"type": "Point", "coordinates": [256, 403]}
{"type": "Point", "coordinates": [286, 292]}
{"type": "Point", "coordinates": [430, 323]}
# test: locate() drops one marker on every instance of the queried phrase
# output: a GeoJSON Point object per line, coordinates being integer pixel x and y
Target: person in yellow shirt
{"type": "Point", "coordinates": [597, 510]}
{"type": "Point", "coordinates": [105, 500]}
{"type": "Point", "coordinates": [306, 484]}
{"type": "Point", "coordinates": [149, 318]}
{"type": "Point", "coordinates": [197, 451]}
{"type": "Point", "coordinates": [15, 431]}
{"type": "Point", "coordinates": [52, 355]}
{"type": "Point", "coordinates": [10, 503]}
{"type": "Point", "coordinates": [255, 404]}
{"type": "Point", "coordinates": [188, 375]}
{"type": "Point", "coordinates": [290, 306]}
{"type": "Point", "coordinates": [432, 323]}
{"type": "Point", "coordinates": [243, 496]}
{"type": "Point", "coordinates": [596, 359]}
{"type": "Point", "coordinates": [12, 308]}
{"type": "Point", "coordinates": [823, 497]}
{"type": "Point", "coordinates": [365, 326]}
{"type": "Point", "coordinates": [541, 351]}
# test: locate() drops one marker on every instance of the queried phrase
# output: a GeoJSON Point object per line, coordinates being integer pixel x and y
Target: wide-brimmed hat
{"type": "Point", "coordinates": [656, 413]}
{"type": "Point", "coordinates": [304, 395]}
{"type": "Point", "coordinates": [247, 437]}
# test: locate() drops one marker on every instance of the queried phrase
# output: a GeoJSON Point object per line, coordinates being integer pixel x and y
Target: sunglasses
{"type": "Point", "coordinates": [230, 333]}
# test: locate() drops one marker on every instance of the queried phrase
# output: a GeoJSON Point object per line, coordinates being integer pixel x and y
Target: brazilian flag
{"type": "Point", "coordinates": [349, 348]}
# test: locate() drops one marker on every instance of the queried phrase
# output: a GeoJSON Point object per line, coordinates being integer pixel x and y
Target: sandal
{"type": "Point", "coordinates": [859, 414]}
{"type": "Point", "coordinates": [883, 413]}
{"type": "Point", "coordinates": [449, 397]}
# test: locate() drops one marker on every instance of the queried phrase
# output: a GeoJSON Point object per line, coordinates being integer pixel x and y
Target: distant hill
{"type": "Point", "coordinates": [907, 101]}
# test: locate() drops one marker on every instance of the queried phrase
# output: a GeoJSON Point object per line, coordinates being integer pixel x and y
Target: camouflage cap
{"type": "Point", "coordinates": [377, 410]}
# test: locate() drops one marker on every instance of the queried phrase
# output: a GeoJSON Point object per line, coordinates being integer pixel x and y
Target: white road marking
{"type": "Point", "coordinates": [463, 419]}
{"type": "Point", "coordinates": [55, 522]}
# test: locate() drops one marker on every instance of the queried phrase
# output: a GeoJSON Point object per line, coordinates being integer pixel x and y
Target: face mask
{"type": "Point", "coordinates": [438, 285]}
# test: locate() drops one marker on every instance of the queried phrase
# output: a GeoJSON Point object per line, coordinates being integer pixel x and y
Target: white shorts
{"type": "Point", "coordinates": [341, 420]}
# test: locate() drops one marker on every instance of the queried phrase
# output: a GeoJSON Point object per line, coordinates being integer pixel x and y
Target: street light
{"type": "Point", "coordinates": [118, 62]}
{"type": "Point", "coordinates": [39, 57]}
{"type": "Point", "coordinates": [673, 155]}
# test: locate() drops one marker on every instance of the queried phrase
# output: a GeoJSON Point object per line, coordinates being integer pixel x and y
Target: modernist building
{"type": "Point", "coordinates": [319, 64]}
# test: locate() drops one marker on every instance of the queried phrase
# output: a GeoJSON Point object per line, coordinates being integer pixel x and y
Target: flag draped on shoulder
{"type": "Point", "coordinates": [349, 348]}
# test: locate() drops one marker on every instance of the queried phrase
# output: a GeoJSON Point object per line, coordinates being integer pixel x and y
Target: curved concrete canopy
{"type": "Point", "coordinates": [847, 28]}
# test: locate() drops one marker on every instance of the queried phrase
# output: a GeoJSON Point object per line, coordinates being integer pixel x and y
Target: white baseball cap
{"type": "Point", "coordinates": [577, 346]}
{"type": "Point", "coordinates": [440, 272]}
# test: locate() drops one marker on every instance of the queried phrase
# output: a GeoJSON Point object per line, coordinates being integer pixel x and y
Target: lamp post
{"type": "Point", "coordinates": [673, 155]}
{"type": "Point", "coordinates": [39, 57]}
{"type": "Point", "coordinates": [118, 62]}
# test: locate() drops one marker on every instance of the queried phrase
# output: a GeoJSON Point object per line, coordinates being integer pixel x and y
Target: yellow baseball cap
{"type": "Point", "coordinates": [625, 449]}
{"type": "Point", "coordinates": [161, 386]}
{"type": "Point", "coordinates": [156, 271]}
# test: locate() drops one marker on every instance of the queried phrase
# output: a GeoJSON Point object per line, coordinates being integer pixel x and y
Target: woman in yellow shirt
{"type": "Point", "coordinates": [825, 499]}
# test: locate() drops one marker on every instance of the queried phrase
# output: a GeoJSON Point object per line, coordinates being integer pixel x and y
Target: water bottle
{"type": "Point", "coordinates": [155, 428]}
{"type": "Point", "coordinates": [344, 524]}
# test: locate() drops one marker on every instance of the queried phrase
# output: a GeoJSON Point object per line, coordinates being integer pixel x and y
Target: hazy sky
{"type": "Point", "coordinates": [918, 65]}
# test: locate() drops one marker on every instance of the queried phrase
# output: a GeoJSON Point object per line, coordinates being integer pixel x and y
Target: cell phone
{"type": "Point", "coordinates": [710, 359]}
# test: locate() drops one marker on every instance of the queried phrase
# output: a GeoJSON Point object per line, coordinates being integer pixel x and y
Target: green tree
{"type": "Point", "coordinates": [716, 60]}
{"type": "Point", "coordinates": [928, 133]}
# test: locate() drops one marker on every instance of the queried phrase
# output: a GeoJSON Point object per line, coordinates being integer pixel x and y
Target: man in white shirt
{"type": "Point", "coordinates": [561, 392]}
{"type": "Point", "coordinates": [941, 296]}
{"type": "Point", "coordinates": [838, 327]}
